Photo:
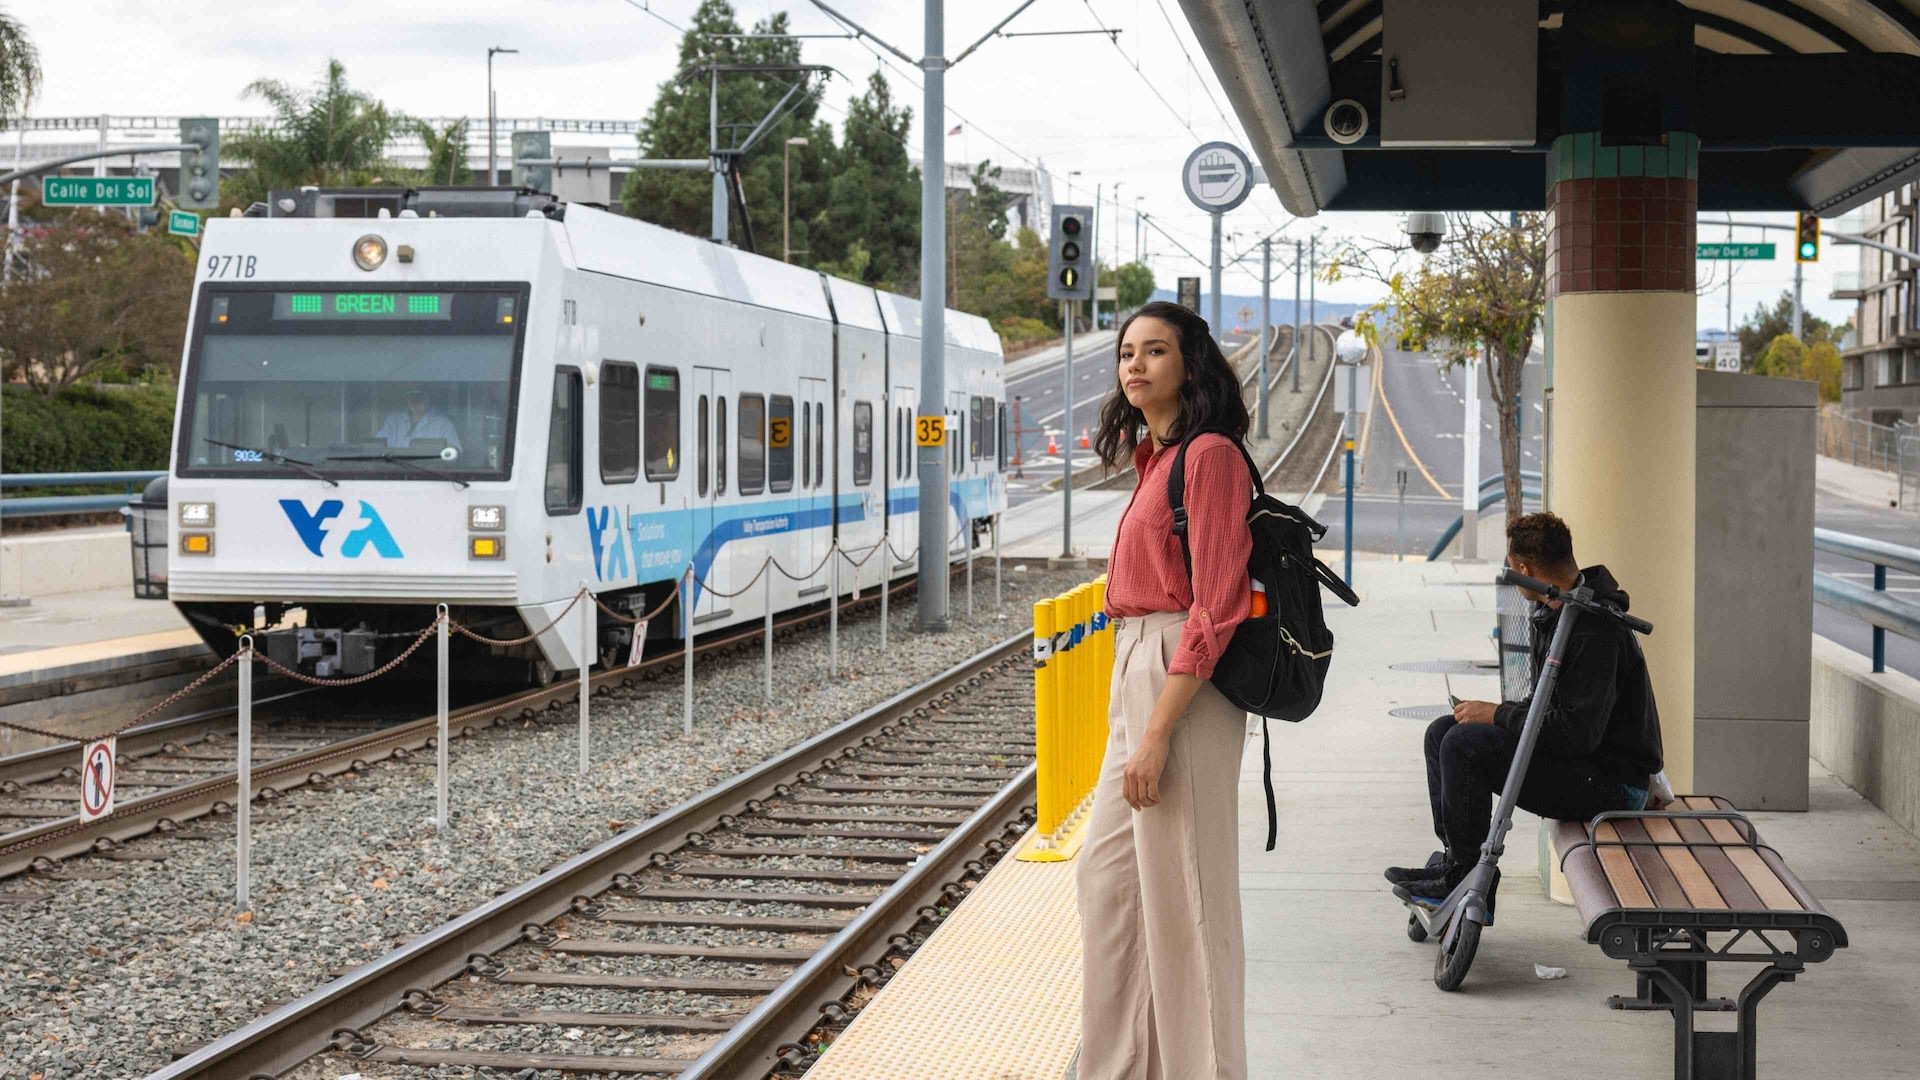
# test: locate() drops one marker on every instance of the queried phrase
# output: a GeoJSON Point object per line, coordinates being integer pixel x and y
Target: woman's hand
{"type": "Point", "coordinates": [1149, 759]}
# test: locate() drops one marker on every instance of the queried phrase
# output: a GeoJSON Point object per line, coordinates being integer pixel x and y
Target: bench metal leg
{"type": "Point", "coordinates": [1710, 1055]}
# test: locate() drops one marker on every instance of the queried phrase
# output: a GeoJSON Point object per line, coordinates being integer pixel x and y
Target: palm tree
{"type": "Point", "coordinates": [446, 153]}
{"type": "Point", "coordinates": [331, 135]}
{"type": "Point", "coordinates": [19, 67]}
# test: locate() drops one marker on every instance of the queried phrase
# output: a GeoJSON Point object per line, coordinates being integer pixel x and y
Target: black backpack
{"type": "Point", "coordinates": [1275, 664]}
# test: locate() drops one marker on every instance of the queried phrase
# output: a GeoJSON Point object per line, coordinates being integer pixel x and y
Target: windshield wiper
{"type": "Point", "coordinates": [278, 458]}
{"type": "Point", "coordinates": [408, 461]}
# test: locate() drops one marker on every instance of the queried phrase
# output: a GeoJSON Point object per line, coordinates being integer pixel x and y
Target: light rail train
{"type": "Point", "coordinates": [488, 399]}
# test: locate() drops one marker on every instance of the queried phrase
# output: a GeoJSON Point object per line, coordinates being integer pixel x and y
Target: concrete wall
{"type": "Point", "coordinates": [1753, 587]}
{"type": "Point", "coordinates": [1866, 729]}
{"type": "Point", "coordinates": [66, 561]}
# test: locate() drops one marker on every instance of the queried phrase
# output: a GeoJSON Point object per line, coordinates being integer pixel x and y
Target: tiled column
{"type": "Point", "coordinates": [1620, 278]}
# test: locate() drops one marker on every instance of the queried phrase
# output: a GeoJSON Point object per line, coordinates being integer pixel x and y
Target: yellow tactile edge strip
{"type": "Point", "coordinates": [994, 993]}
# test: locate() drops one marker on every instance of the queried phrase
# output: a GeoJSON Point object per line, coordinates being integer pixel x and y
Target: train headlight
{"type": "Point", "coordinates": [369, 252]}
{"type": "Point", "coordinates": [486, 518]}
{"type": "Point", "coordinates": [196, 543]}
{"type": "Point", "coordinates": [486, 547]}
{"type": "Point", "coordinates": [196, 515]}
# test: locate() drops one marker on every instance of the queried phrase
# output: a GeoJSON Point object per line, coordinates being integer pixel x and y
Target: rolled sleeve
{"type": "Point", "coordinates": [1218, 494]}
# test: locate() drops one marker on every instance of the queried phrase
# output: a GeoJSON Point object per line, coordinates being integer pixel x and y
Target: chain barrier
{"type": "Point", "coordinates": [863, 560]}
{"type": "Point", "coordinates": [351, 680]}
{"type": "Point", "coordinates": [817, 567]}
{"type": "Point", "coordinates": [473, 635]}
{"type": "Point", "coordinates": [142, 718]}
{"type": "Point", "coordinates": [631, 620]}
{"type": "Point", "coordinates": [741, 591]}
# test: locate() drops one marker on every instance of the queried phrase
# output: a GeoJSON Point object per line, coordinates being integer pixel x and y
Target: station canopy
{"type": "Point", "coordinates": [1454, 104]}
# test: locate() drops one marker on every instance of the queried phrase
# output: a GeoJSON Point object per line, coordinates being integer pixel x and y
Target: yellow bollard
{"type": "Point", "coordinates": [1073, 670]}
{"type": "Point", "coordinates": [1046, 728]}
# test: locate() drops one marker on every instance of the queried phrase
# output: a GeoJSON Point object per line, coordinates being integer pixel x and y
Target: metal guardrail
{"type": "Point", "coordinates": [1872, 606]}
{"type": "Point", "coordinates": [58, 505]}
{"type": "Point", "coordinates": [1492, 490]}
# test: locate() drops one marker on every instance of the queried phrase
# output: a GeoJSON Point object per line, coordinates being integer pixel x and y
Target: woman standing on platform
{"type": "Point", "coordinates": [1159, 879]}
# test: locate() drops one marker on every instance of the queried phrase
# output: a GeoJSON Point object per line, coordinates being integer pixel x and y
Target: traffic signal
{"type": "Point", "coordinates": [534, 146]}
{"type": "Point", "coordinates": [1069, 255]}
{"type": "Point", "coordinates": [199, 187]}
{"type": "Point", "coordinates": [1806, 238]}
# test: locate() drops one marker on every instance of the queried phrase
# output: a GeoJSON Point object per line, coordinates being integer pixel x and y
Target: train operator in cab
{"type": "Point", "coordinates": [419, 420]}
{"type": "Point", "coordinates": [1599, 741]}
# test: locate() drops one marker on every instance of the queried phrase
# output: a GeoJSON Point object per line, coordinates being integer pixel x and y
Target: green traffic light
{"type": "Point", "coordinates": [1809, 249]}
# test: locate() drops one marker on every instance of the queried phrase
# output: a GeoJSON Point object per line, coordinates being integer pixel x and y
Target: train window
{"type": "Point", "coordinates": [720, 446]}
{"type": "Point", "coordinates": [862, 442]}
{"type": "Point", "coordinates": [753, 443]}
{"type": "Point", "coordinates": [819, 444]}
{"type": "Point", "coordinates": [563, 444]}
{"type": "Point", "coordinates": [975, 448]}
{"type": "Point", "coordinates": [1000, 440]}
{"type": "Point", "coordinates": [700, 446]}
{"type": "Point", "coordinates": [780, 443]}
{"type": "Point", "coordinates": [899, 444]}
{"type": "Point", "coordinates": [806, 446]}
{"type": "Point", "coordinates": [663, 423]}
{"type": "Point", "coordinates": [619, 423]}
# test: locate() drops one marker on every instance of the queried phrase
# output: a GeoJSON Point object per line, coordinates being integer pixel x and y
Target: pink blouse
{"type": "Point", "coordinates": [1145, 573]}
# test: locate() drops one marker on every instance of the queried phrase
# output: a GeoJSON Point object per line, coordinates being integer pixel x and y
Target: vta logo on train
{"type": "Point", "coordinates": [312, 525]}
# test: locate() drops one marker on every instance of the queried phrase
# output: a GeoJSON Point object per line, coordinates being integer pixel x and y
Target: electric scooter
{"type": "Point", "coordinates": [1469, 907]}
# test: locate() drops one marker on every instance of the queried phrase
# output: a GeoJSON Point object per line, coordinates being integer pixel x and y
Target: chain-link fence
{"type": "Point", "coordinates": [1907, 444]}
{"type": "Point", "coordinates": [1861, 442]}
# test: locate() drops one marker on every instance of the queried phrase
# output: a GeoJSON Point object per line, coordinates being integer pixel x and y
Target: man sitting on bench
{"type": "Point", "coordinates": [1600, 737]}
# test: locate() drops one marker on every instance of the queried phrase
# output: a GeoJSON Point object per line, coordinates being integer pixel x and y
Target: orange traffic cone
{"type": "Point", "coordinates": [1053, 445]}
{"type": "Point", "coordinates": [1084, 441]}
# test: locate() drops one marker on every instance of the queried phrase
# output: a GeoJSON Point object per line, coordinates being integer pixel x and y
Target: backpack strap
{"type": "Point", "coordinates": [1177, 490]}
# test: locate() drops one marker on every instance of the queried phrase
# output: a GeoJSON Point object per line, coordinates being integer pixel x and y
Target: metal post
{"type": "Point", "coordinates": [100, 164]}
{"type": "Point", "coordinates": [1213, 320]}
{"type": "Point", "coordinates": [1400, 527]}
{"type": "Point", "coordinates": [833, 609]}
{"type": "Point", "coordinates": [1470, 461]}
{"type": "Point", "coordinates": [766, 627]}
{"type": "Point", "coordinates": [1798, 310]}
{"type": "Point", "coordinates": [440, 746]}
{"type": "Point", "coordinates": [1346, 424]}
{"type": "Point", "coordinates": [243, 773]}
{"type": "Point", "coordinates": [1879, 633]}
{"type": "Point", "coordinates": [1266, 309]}
{"type": "Point", "coordinates": [1019, 446]}
{"type": "Point", "coordinates": [886, 591]}
{"type": "Point", "coordinates": [719, 227]}
{"type": "Point", "coordinates": [1066, 458]}
{"type": "Point", "coordinates": [1299, 260]}
{"type": "Point", "coordinates": [933, 317]}
{"type": "Point", "coordinates": [1313, 270]}
{"type": "Point", "coordinates": [587, 649]}
{"type": "Point", "coordinates": [996, 560]}
{"type": "Point", "coordinates": [966, 537]}
{"type": "Point", "coordinates": [686, 644]}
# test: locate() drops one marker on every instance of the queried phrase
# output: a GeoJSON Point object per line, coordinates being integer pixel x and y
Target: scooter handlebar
{"type": "Point", "coordinates": [1552, 592]}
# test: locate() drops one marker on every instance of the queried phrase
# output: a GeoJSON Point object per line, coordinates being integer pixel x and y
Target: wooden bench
{"type": "Point", "coordinates": [1675, 890]}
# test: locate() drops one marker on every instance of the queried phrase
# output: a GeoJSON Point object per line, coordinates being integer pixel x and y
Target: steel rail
{"type": "Point", "coordinates": [1313, 410]}
{"type": "Point", "coordinates": [304, 1027]}
{"type": "Point", "coordinates": [48, 762]}
{"type": "Point", "coordinates": [67, 837]}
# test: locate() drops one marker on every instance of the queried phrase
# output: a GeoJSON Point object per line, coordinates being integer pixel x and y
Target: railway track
{"type": "Point", "coordinates": [705, 941]}
{"type": "Point", "coordinates": [187, 748]}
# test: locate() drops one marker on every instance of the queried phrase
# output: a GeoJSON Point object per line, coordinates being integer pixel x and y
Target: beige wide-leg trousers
{"type": "Point", "coordinates": [1164, 959]}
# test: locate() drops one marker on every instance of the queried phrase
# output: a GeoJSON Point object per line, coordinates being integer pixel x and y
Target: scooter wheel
{"type": "Point", "coordinates": [1450, 965]}
{"type": "Point", "coordinates": [1416, 933]}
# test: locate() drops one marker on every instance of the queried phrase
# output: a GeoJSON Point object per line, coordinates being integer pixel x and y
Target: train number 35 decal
{"type": "Point", "coordinates": [930, 430]}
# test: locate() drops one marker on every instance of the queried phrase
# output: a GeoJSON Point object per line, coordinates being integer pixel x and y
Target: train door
{"type": "Point", "coordinates": [902, 476]}
{"type": "Point", "coordinates": [813, 489]}
{"type": "Point", "coordinates": [959, 430]}
{"type": "Point", "coordinates": [712, 388]}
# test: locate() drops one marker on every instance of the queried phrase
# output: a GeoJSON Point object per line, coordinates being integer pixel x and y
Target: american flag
{"type": "Point", "coordinates": [956, 129]}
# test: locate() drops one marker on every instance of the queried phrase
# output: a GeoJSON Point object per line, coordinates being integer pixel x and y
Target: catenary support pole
{"type": "Point", "coordinates": [440, 810]}
{"type": "Point", "coordinates": [933, 318]}
{"type": "Point", "coordinates": [719, 227]}
{"type": "Point", "coordinates": [243, 774]}
{"type": "Point", "coordinates": [587, 649]}
{"type": "Point", "coordinates": [686, 645]}
{"type": "Point", "coordinates": [1299, 357]}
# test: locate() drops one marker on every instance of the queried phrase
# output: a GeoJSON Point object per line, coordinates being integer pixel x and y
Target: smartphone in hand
{"type": "Point", "coordinates": [1453, 700]}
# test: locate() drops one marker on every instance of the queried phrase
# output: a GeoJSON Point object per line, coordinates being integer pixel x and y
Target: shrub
{"type": "Point", "coordinates": [88, 429]}
{"type": "Point", "coordinates": [1018, 332]}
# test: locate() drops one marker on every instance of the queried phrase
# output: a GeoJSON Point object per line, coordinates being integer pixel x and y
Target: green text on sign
{"type": "Point", "coordinates": [97, 191]}
{"type": "Point", "coordinates": [1733, 251]}
{"type": "Point", "coordinates": [182, 223]}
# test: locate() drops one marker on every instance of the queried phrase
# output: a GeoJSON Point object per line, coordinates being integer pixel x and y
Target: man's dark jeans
{"type": "Point", "coordinates": [1467, 765]}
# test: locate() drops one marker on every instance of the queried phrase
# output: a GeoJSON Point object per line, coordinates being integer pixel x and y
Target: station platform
{"type": "Point", "coordinates": [68, 660]}
{"type": "Point", "coordinates": [1334, 988]}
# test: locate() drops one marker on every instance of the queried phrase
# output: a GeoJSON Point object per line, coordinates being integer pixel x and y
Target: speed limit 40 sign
{"type": "Point", "coordinates": [930, 430]}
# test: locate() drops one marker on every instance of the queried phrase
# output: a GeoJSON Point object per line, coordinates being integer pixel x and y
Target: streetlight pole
{"type": "Point", "coordinates": [1136, 227]}
{"type": "Point", "coordinates": [1116, 235]}
{"type": "Point", "coordinates": [493, 124]}
{"type": "Point", "coordinates": [786, 197]}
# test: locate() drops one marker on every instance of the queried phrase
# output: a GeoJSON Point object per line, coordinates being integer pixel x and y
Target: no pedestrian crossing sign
{"type": "Point", "coordinates": [97, 776]}
{"type": "Point", "coordinates": [1731, 250]}
{"type": "Point", "coordinates": [183, 223]}
{"type": "Point", "coordinates": [97, 191]}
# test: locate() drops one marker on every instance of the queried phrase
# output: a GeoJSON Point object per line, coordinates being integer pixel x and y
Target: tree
{"type": "Point", "coordinates": [1767, 323]}
{"type": "Point", "coordinates": [873, 194]}
{"type": "Point", "coordinates": [19, 67]}
{"type": "Point", "coordinates": [1787, 357]}
{"type": "Point", "coordinates": [1132, 283]}
{"type": "Point", "coordinates": [98, 295]}
{"type": "Point", "coordinates": [331, 135]}
{"type": "Point", "coordinates": [1485, 287]}
{"type": "Point", "coordinates": [446, 154]}
{"type": "Point", "coordinates": [1823, 367]}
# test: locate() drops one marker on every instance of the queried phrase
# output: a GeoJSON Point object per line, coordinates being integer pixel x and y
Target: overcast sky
{"type": "Point", "coordinates": [1072, 102]}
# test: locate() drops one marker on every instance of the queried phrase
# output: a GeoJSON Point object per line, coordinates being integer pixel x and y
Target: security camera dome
{"type": "Point", "coordinates": [1425, 230]}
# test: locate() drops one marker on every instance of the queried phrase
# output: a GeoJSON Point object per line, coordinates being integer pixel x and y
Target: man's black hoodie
{"type": "Point", "coordinates": [1602, 710]}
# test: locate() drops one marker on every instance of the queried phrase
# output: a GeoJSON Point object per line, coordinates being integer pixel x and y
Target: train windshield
{"type": "Point", "coordinates": [332, 382]}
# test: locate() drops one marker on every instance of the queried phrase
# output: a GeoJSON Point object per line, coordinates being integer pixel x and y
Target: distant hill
{"type": "Point", "coordinates": [1281, 310]}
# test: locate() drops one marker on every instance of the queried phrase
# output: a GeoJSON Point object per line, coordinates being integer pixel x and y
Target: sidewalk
{"type": "Point", "coordinates": [54, 624]}
{"type": "Point", "coordinates": [1856, 483]}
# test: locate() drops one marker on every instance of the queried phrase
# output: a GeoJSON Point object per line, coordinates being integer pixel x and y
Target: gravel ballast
{"type": "Point", "coordinates": [110, 977]}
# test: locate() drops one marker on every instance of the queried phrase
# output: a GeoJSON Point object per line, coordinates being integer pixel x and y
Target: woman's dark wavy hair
{"type": "Point", "coordinates": [1210, 400]}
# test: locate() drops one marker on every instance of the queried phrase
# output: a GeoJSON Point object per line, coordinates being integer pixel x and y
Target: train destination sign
{"type": "Point", "coordinates": [395, 307]}
{"type": "Point", "coordinates": [97, 191]}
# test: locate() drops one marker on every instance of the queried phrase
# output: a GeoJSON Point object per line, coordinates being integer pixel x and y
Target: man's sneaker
{"type": "Point", "coordinates": [1436, 862]}
{"type": "Point", "coordinates": [1433, 888]}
